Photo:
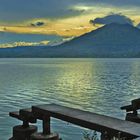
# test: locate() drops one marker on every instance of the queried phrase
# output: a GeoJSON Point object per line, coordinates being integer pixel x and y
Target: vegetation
{"type": "Point", "coordinates": [90, 135]}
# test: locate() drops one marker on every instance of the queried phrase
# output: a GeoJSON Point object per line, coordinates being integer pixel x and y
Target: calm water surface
{"type": "Point", "coordinates": [97, 85]}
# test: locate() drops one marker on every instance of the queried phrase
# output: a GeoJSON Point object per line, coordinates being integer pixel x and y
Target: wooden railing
{"type": "Point", "coordinates": [109, 127]}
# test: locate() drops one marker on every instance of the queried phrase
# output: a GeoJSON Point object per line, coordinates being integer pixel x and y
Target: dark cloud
{"type": "Point", "coordinates": [15, 10]}
{"type": "Point", "coordinates": [112, 18]}
{"type": "Point", "coordinates": [39, 23]}
{"type": "Point", "coordinates": [115, 2]}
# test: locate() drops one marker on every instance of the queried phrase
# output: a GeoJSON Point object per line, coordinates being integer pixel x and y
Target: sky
{"type": "Point", "coordinates": [60, 19]}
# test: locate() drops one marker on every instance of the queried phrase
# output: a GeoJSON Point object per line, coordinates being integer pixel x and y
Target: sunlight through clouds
{"type": "Point", "coordinates": [68, 19]}
{"type": "Point", "coordinates": [70, 26]}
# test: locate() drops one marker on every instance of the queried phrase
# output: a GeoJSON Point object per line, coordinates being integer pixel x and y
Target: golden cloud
{"type": "Point", "coordinates": [15, 44]}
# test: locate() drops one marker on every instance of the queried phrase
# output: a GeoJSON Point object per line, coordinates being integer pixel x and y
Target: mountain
{"type": "Point", "coordinates": [138, 26]}
{"type": "Point", "coordinates": [112, 40]}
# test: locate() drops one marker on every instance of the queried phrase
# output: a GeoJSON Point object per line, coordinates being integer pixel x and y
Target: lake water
{"type": "Point", "coordinates": [97, 85]}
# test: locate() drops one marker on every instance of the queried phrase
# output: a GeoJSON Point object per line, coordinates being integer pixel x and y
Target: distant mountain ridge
{"type": "Point", "coordinates": [112, 40]}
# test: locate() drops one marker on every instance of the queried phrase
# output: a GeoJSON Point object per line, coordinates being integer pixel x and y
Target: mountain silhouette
{"type": "Point", "coordinates": [112, 40]}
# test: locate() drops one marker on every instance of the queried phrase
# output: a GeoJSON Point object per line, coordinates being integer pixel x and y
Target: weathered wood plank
{"type": "Point", "coordinates": [15, 115]}
{"type": "Point", "coordinates": [89, 120]}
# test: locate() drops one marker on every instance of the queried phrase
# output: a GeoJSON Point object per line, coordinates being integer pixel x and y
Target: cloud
{"type": "Point", "coordinates": [115, 2]}
{"type": "Point", "coordinates": [34, 44]}
{"type": "Point", "coordinates": [112, 18]}
{"type": "Point", "coordinates": [61, 41]}
{"type": "Point", "coordinates": [82, 8]}
{"type": "Point", "coordinates": [11, 10]}
{"type": "Point", "coordinates": [18, 10]}
{"type": "Point", "coordinates": [22, 44]}
{"type": "Point", "coordinates": [39, 23]}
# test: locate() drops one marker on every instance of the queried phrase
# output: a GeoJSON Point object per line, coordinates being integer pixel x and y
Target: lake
{"type": "Point", "coordinates": [96, 85]}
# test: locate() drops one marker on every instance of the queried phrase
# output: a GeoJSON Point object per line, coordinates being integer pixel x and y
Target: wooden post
{"type": "Point", "coordinates": [46, 125]}
{"type": "Point", "coordinates": [46, 134]}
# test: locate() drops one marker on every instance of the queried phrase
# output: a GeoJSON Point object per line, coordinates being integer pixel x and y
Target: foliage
{"type": "Point", "coordinates": [90, 135]}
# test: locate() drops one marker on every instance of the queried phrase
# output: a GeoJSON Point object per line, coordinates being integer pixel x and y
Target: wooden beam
{"type": "Point", "coordinates": [100, 123]}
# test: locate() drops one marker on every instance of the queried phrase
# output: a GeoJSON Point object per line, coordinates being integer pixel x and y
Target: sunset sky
{"type": "Point", "coordinates": [46, 21]}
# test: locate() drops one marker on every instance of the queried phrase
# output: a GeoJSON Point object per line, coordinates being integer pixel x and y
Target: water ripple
{"type": "Point", "coordinates": [97, 85]}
